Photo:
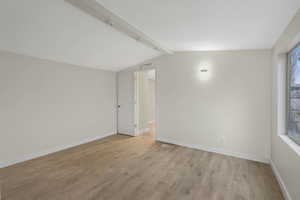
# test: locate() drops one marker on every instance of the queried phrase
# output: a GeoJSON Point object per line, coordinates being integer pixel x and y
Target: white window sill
{"type": "Point", "coordinates": [291, 143]}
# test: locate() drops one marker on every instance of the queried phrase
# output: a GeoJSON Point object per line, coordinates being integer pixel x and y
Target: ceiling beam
{"type": "Point", "coordinates": [95, 9]}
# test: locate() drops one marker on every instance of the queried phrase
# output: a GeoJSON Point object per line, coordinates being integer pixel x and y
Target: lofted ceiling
{"type": "Point", "coordinates": [55, 30]}
{"type": "Point", "coordinates": [187, 25]}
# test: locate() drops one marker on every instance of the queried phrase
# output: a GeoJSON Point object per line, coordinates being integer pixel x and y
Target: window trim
{"type": "Point", "coordinates": [291, 143]}
{"type": "Point", "coordinates": [285, 137]}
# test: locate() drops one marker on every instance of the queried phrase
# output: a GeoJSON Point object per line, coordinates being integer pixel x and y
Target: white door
{"type": "Point", "coordinates": [126, 103]}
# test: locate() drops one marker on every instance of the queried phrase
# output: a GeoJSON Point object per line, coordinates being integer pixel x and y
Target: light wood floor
{"type": "Point", "coordinates": [138, 168]}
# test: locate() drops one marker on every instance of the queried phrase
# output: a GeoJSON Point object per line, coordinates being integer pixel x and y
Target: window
{"type": "Point", "coordinates": [293, 94]}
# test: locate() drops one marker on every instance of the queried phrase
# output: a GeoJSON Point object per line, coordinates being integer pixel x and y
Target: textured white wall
{"type": "Point", "coordinates": [286, 160]}
{"type": "Point", "coordinates": [45, 105]}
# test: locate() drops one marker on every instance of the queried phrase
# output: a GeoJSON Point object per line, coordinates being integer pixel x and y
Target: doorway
{"type": "Point", "coordinates": [144, 106]}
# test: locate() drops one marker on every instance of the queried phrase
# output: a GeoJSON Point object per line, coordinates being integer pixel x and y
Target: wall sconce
{"type": "Point", "coordinates": [204, 73]}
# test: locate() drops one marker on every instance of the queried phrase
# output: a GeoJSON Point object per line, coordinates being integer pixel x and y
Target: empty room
{"type": "Point", "coordinates": [149, 100]}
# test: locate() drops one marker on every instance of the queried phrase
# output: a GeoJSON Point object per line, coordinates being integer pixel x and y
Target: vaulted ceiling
{"type": "Point", "coordinates": [185, 25]}
{"type": "Point", "coordinates": [55, 30]}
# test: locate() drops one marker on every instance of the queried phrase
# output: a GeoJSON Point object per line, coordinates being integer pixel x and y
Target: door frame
{"type": "Point", "coordinates": [136, 108]}
{"type": "Point", "coordinates": [136, 98]}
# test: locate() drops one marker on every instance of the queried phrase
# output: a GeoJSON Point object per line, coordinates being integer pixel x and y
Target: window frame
{"type": "Point", "coordinates": [287, 94]}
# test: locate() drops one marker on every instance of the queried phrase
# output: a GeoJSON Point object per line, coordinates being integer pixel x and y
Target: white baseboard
{"type": "Point", "coordinates": [52, 150]}
{"type": "Point", "coordinates": [283, 187]}
{"type": "Point", "coordinates": [219, 151]}
{"type": "Point", "coordinates": [127, 133]}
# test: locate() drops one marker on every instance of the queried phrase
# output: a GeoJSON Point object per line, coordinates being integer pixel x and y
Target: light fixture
{"type": "Point", "coordinates": [204, 74]}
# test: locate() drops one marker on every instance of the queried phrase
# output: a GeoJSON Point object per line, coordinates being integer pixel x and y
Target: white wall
{"type": "Point", "coordinates": [151, 104]}
{"type": "Point", "coordinates": [284, 158]}
{"type": "Point", "coordinates": [146, 99]}
{"type": "Point", "coordinates": [143, 99]}
{"type": "Point", "coordinates": [46, 105]}
{"type": "Point", "coordinates": [228, 113]}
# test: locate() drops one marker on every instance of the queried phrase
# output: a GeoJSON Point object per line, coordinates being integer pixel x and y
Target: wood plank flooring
{"type": "Point", "coordinates": [138, 168]}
